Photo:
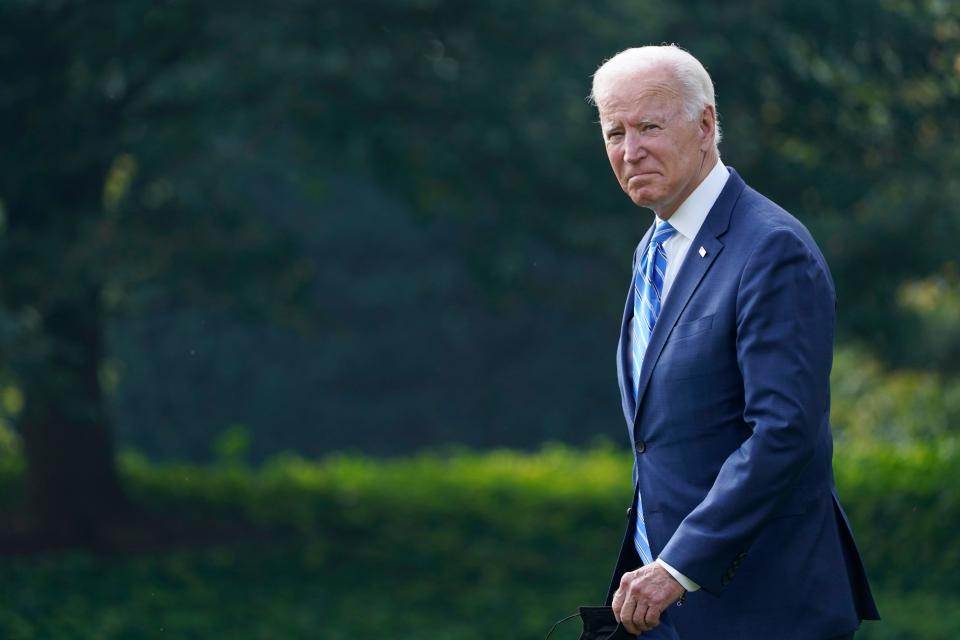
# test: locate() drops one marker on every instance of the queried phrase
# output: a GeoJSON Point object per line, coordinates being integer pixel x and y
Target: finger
{"type": "Point", "coordinates": [637, 621]}
{"type": "Point", "coordinates": [626, 616]}
{"type": "Point", "coordinates": [652, 618]}
{"type": "Point", "coordinates": [620, 595]}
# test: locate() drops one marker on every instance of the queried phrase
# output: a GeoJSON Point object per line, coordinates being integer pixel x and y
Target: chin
{"type": "Point", "coordinates": [643, 200]}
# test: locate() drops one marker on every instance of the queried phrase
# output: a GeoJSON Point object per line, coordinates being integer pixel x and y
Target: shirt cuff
{"type": "Point", "coordinates": [684, 581]}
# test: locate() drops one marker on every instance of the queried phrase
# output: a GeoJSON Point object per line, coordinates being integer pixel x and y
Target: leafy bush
{"type": "Point", "coordinates": [453, 546]}
{"type": "Point", "coordinates": [899, 406]}
{"type": "Point", "coordinates": [895, 494]}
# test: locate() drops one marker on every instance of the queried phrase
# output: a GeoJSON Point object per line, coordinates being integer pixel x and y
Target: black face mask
{"type": "Point", "coordinates": [598, 624]}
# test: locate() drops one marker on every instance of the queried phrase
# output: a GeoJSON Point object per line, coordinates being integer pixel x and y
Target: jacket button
{"type": "Point", "coordinates": [641, 446]}
{"type": "Point", "coordinates": [629, 511]}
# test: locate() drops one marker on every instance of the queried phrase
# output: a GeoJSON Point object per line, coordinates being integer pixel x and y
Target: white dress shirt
{"type": "Point", "coordinates": [687, 220]}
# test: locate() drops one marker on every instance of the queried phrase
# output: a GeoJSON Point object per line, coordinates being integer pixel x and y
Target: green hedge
{"type": "Point", "coordinates": [452, 546]}
{"type": "Point", "coordinates": [903, 499]}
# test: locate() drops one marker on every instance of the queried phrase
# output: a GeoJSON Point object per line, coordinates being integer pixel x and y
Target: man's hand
{"type": "Point", "coordinates": [642, 597]}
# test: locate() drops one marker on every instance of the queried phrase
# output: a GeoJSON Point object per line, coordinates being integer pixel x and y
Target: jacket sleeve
{"type": "Point", "coordinates": [785, 313]}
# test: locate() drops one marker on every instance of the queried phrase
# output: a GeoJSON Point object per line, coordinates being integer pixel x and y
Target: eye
{"type": "Point", "coordinates": [614, 135]}
{"type": "Point", "coordinates": [650, 127]}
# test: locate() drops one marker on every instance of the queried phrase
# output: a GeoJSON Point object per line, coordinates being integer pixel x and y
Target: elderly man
{"type": "Point", "coordinates": [724, 364]}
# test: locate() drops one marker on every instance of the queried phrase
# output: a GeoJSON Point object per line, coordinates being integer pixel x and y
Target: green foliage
{"type": "Point", "coordinates": [393, 191]}
{"type": "Point", "coordinates": [904, 501]}
{"type": "Point", "coordinates": [894, 493]}
{"type": "Point", "coordinates": [917, 615]}
{"type": "Point", "coordinates": [11, 465]}
{"type": "Point", "coordinates": [934, 306]}
{"type": "Point", "coordinates": [455, 546]}
{"type": "Point", "coordinates": [233, 445]}
{"type": "Point", "coordinates": [353, 492]}
{"type": "Point", "coordinates": [871, 403]}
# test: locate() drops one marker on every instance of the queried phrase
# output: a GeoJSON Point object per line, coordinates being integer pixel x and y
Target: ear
{"type": "Point", "coordinates": [708, 127]}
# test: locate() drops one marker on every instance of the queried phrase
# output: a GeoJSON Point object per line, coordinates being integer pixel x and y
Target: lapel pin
{"type": "Point", "coordinates": [703, 252]}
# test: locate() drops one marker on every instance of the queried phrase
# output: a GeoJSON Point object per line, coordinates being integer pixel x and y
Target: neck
{"type": "Point", "coordinates": [708, 161]}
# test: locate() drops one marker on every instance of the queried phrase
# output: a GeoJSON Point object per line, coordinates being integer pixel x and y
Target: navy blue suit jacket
{"type": "Point", "coordinates": [731, 434]}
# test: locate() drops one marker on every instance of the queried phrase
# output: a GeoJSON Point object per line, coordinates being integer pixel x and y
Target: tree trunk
{"type": "Point", "coordinates": [73, 491]}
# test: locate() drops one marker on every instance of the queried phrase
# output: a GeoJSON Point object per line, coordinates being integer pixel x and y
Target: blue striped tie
{"type": "Point", "coordinates": [647, 292]}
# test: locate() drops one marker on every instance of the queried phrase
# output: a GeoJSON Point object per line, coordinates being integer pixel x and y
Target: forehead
{"type": "Point", "coordinates": [651, 93]}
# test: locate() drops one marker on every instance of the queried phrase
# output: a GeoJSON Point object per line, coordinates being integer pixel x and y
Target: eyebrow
{"type": "Point", "coordinates": [608, 128]}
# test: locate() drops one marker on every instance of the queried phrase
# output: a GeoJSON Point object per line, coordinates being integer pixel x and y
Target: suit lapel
{"type": "Point", "coordinates": [691, 273]}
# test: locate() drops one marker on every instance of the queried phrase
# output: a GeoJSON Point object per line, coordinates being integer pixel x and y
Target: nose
{"type": "Point", "coordinates": [633, 150]}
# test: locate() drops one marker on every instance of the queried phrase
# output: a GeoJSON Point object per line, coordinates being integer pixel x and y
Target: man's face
{"type": "Point", "coordinates": [655, 150]}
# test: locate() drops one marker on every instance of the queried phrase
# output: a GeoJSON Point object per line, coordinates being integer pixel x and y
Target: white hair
{"type": "Point", "coordinates": [696, 87]}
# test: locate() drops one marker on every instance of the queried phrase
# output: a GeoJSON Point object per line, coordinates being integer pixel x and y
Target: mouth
{"type": "Point", "coordinates": [642, 174]}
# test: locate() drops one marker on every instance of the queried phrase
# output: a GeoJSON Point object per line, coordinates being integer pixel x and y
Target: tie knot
{"type": "Point", "coordinates": [662, 232]}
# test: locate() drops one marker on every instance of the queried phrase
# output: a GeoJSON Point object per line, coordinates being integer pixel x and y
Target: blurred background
{"type": "Point", "coordinates": [308, 309]}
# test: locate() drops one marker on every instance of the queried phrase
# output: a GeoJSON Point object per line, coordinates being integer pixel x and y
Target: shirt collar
{"type": "Point", "coordinates": [689, 217]}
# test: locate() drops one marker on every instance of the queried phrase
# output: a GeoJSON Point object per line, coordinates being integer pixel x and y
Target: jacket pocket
{"type": "Point", "coordinates": [691, 328]}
